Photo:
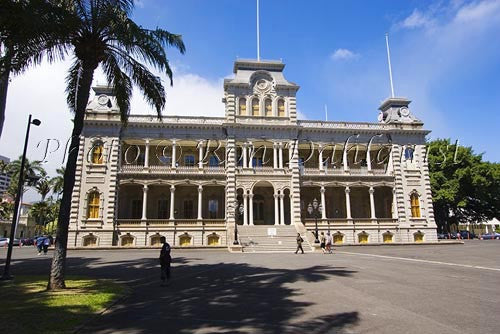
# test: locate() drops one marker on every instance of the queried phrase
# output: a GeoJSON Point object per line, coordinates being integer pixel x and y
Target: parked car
{"type": "Point", "coordinates": [490, 236]}
{"type": "Point", "coordinates": [27, 242]}
{"type": "Point", "coordinates": [4, 242]}
{"type": "Point", "coordinates": [467, 235]}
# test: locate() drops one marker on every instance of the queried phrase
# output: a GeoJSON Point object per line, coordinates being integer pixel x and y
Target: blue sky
{"type": "Point", "coordinates": [445, 54]}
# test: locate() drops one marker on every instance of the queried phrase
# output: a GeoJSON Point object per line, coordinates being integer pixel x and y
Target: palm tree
{"type": "Point", "coordinates": [41, 211]}
{"type": "Point", "coordinates": [31, 167]}
{"type": "Point", "coordinates": [57, 182]}
{"type": "Point", "coordinates": [43, 187]}
{"type": "Point", "coordinates": [30, 30]}
{"type": "Point", "coordinates": [102, 33]}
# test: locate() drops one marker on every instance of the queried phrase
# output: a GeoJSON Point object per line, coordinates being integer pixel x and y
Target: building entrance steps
{"type": "Point", "coordinates": [270, 239]}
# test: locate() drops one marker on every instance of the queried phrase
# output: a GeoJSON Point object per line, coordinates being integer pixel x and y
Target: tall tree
{"type": "Point", "coordinates": [102, 33]}
{"type": "Point", "coordinates": [30, 30]}
{"type": "Point", "coordinates": [464, 188]}
{"type": "Point", "coordinates": [57, 182]}
{"type": "Point", "coordinates": [43, 187]}
{"type": "Point", "coordinates": [31, 167]}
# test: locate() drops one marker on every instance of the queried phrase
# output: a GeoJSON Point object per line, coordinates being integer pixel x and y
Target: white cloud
{"type": "Point", "coordinates": [478, 11]}
{"type": "Point", "coordinates": [41, 92]}
{"type": "Point", "coordinates": [416, 20]}
{"type": "Point", "coordinates": [344, 54]}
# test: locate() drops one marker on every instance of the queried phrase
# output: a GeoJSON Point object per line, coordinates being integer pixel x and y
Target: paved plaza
{"type": "Point", "coordinates": [391, 289]}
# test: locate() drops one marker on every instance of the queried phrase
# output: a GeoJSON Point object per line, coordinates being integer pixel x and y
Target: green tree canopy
{"type": "Point", "coordinates": [464, 187]}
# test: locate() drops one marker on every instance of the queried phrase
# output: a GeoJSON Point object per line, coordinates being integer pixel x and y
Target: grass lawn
{"type": "Point", "coordinates": [25, 306]}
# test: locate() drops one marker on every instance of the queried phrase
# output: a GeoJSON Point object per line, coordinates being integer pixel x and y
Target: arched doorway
{"type": "Point", "coordinates": [263, 210]}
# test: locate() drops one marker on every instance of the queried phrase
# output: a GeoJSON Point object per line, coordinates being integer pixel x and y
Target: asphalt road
{"type": "Point", "coordinates": [391, 289]}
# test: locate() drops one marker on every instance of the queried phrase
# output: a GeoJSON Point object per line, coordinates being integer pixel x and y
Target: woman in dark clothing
{"type": "Point", "coordinates": [165, 260]}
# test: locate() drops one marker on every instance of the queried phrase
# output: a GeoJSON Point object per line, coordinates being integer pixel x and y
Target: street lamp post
{"type": "Point", "coordinates": [239, 210]}
{"type": "Point", "coordinates": [315, 208]}
{"type": "Point", "coordinates": [6, 272]}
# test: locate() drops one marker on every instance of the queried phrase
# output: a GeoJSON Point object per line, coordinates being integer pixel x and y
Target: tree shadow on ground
{"type": "Point", "coordinates": [208, 298]}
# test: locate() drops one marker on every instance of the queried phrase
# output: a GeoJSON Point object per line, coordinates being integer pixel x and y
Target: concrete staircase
{"type": "Point", "coordinates": [256, 239]}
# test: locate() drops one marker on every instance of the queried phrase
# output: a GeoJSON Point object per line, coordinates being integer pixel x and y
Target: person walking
{"type": "Point", "coordinates": [299, 243]}
{"type": "Point", "coordinates": [165, 261]}
{"type": "Point", "coordinates": [46, 244]}
{"type": "Point", "coordinates": [322, 242]}
{"type": "Point", "coordinates": [39, 244]}
{"type": "Point", "coordinates": [329, 242]}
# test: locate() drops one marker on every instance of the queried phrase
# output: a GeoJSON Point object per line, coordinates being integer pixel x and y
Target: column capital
{"type": "Point", "coordinates": [280, 144]}
{"type": "Point", "coordinates": [174, 142]}
{"type": "Point", "coordinates": [347, 189]}
{"type": "Point", "coordinates": [322, 189]}
{"type": "Point", "coordinates": [371, 190]}
{"type": "Point", "coordinates": [281, 196]}
{"type": "Point", "coordinates": [245, 195]}
{"type": "Point", "coordinates": [250, 196]}
{"type": "Point", "coordinates": [200, 188]}
{"type": "Point", "coordinates": [276, 196]}
{"type": "Point", "coordinates": [276, 144]}
{"type": "Point", "coordinates": [145, 187]}
{"type": "Point", "coordinates": [172, 188]}
{"type": "Point", "coordinates": [147, 141]}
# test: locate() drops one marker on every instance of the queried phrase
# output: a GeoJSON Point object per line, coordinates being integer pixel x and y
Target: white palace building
{"type": "Point", "coordinates": [194, 179]}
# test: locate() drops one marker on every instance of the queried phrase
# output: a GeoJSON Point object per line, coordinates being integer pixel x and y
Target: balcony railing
{"type": "Point", "coordinates": [166, 169]}
{"type": "Point", "coordinates": [341, 171]}
{"type": "Point", "coordinates": [309, 222]}
{"type": "Point", "coordinates": [170, 222]}
{"type": "Point", "coordinates": [263, 170]}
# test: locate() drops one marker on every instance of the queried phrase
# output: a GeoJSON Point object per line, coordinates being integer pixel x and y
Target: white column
{"type": "Point", "coordinates": [276, 208]}
{"type": "Point", "coordinates": [172, 201]}
{"type": "Point", "coordinates": [320, 157]}
{"type": "Point", "coordinates": [245, 209]}
{"type": "Point", "coordinates": [280, 155]}
{"type": "Point", "coordinates": [144, 202]}
{"type": "Point", "coordinates": [200, 154]}
{"type": "Point", "coordinates": [348, 202]}
{"type": "Point", "coordinates": [250, 198]}
{"type": "Point", "coordinates": [344, 158]}
{"type": "Point", "coordinates": [394, 204]}
{"type": "Point", "coordinates": [282, 210]}
{"type": "Point", "coordinates": [250, 156]}
{"type": "Point", "coordinates": [323, 202]}
{"type": "Point", "coordinates": [200, 201]}
{"type": "Point", "coordinates": [174, 156]}
{"type": "Point", "coordinates": [146, 153]}
{"type": "Point", "coordinates": [275, 155]}
{"type": "Point", "coordinates": [372, 203]}
{"type": "Point", "coordinates": [368, 159]}
{"type": "Point", "coordinates": [245, 157]}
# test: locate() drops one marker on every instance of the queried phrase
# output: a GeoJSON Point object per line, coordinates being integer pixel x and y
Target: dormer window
{"type": "Point", "coordinates": [269, 107]}
{"type": "Point", "coordinates": [243, 106]}
{"type": "Point", "coordinates": [281, 108]}
{"type": "Point", "coordinates": [255, 107]}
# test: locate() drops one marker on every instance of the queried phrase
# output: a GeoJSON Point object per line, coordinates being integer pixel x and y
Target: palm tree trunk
{"type": "Point", "coordinates": [4, 85]}
{"type": "Point", "coordinates": [57, 270]}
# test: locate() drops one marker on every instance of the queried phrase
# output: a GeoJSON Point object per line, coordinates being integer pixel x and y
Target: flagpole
{"type": "Point", "coordinates": [389, 62]}
{"type": "Point", "coordinates": [258, 33]}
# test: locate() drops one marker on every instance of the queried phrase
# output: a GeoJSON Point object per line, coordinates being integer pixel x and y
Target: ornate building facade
{"type": "Point", "coordinates": [193, 179]}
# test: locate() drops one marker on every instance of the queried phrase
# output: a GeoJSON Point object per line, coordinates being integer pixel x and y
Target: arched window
{"type": "Point", "coordinates": [255, 107]}
{"type": "Point", "coordinates": [156, 240]}
{"type": "Point", "coordinates": [185, 240]}
{"type": "Point", "coordinates": [363, 238]}
{"type": "Point", "coordinates": [409, 153]}
{"type": "Point", "coordinates": [97, 151]}
{"type": "Point", "coordinates": [243, 106]}
{"type": "Point", "coordinates": [93, 205]}
{"type": "Point", "coordinates": [213, 240]}
{"type": "Point", "coordinates": [281, 108]}
{"type": "Point", "coordinates": [89, 241]}
{"type": "Point", "coordinates": [269, 107]}
{"type": "Point", "coordinates": [338, 239]}
{"type": "Point", "coordinates": [127, 241]}
{"type": "Point", "coordinates": [418, 237]}
{"type": "Point", "coordinates": [415, 205]}
{"type": "Point", "coordinates": [387, 237]}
